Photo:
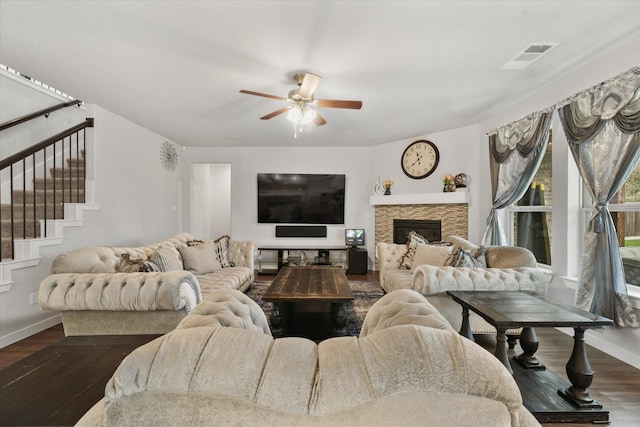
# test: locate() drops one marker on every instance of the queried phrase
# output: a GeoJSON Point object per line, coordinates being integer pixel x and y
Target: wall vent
{"type": "Point", "coordinates": [528, 56]}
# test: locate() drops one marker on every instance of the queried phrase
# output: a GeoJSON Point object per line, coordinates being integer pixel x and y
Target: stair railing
{"type": "Point", "coordinates": [35, 158]}
{"type": "Point", "coordinates": [44, 112]}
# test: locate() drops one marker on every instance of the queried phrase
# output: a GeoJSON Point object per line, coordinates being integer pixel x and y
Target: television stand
{"type": "Point", "coordinates": [277, 257]}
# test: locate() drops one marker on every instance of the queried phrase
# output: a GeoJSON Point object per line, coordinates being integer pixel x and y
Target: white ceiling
{"type": "Point", "coordinates": [419, 67]}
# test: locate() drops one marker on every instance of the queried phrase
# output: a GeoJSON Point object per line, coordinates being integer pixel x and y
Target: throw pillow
{"type": "Point", "coordinates": [471, 259]}
{"type": "Point", "coordinates": [222, 247]}
{"type": "Point", "coordinates": [166, 258]}
{"type": "Point", "coordinates": [431, 254]}
{"type": "Point", "coordinates": [413, 240]}
{"type": "Point", "coordinates": [200, 259]}
{"type": "Point", "coordinates": [134, 265]}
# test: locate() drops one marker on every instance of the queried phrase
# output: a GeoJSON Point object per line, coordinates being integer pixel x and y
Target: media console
{"type": "Point", "coordinates": [272, 258]}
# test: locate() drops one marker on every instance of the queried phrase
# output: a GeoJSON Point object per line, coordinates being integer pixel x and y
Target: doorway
{"type": "Point", "coordinates": [210, 200]}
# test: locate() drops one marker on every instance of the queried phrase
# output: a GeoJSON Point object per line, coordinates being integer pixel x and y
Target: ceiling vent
{"type": "Point", "coordinates": [528, 56]}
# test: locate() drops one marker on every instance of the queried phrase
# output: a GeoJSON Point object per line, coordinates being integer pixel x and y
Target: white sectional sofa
{"type": "Point", "coordinates": [508, 268]}
{"type": "Point", "coordinates": [98, 294]}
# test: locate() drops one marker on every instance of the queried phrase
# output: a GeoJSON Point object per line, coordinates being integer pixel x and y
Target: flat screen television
{"type": "Point", "coordinates": [301, 198]}
{"type": "Point", "coordinates": [354, 237]}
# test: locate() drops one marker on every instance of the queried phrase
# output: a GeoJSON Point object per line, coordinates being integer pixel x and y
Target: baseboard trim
{"type": "Point", "coordinates": [29, 330]}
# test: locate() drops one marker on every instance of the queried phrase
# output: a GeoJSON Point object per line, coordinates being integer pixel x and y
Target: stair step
{"type": "Point", "coordinates": [75, 162]}
{"type": "Point", "coordinates": [58, 183]}
{"type": "Point", "coordinates": [19, 229]}
{"type": "Point", "coordinates": [76, 172]}
{"type": "Point", "coordinates": [65, 196]}
{"type": "Point", "coordinates": [18, 208]}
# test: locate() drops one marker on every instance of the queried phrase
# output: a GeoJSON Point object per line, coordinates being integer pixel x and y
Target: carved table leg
{"type": "Point", "coordinates": [465, 328]}
{"type": "Point", "coordinates": [277, 324]}
{"type": "Point", "coordinates": [529, 344]}
{"type": "Point", "coordinates": [339, 320]}
{"type": "Point", "coordinates": [580, 374]}
{"type": "Point", "coordinates": [501, 349]}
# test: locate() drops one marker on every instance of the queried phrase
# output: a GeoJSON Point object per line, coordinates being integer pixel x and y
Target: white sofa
{"type": "Point", "coordinates": [95, 298]}
{"type": "Point", "coordinates": [220, 368]}
{"type": "Point", "coordinates": [508, 268]}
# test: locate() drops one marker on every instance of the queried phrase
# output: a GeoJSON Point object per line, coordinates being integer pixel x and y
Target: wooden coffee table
{"type": "Point", "coordinates": [304, 285]}
{"type": "Point", "coordinates": [513, 309]}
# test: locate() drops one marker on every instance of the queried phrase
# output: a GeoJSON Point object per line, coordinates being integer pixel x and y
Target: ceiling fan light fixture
{"type": "Point", "coordinates": [301, 115]}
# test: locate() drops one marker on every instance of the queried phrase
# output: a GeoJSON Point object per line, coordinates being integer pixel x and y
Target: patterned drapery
{"type": "Point", "coordinates": [515, 153]}
{"type": "Point", "coordinates": [602, 126]}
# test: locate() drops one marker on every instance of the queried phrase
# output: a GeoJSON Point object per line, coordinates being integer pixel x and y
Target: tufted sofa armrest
{"type": "Point", "coordinates": [389, 255]}
{"type": "Point", "coordinates": [241, 253]}
{"type": "Point", "coordinates": [172, 290]}
{"type": "Point", "coordinates": [402, 307]}
{"type": "Point", "coordinates": [229, 308]}
{"type": "Point", "coordinates": [433, 280]}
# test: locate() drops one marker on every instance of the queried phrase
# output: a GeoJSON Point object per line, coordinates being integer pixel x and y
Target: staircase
{"type": "Point", "coordinates": [44, 191]}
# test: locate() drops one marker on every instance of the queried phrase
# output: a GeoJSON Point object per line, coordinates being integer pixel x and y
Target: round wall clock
{"type": "Point", "coordinates": [168, 156]}
{"type": "Point", "coordinates": [420, 159]}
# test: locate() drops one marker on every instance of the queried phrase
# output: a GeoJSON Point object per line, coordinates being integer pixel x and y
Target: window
{"type": "Point", "coordinates": [531, 216]}
{"type": "Point", "coordinates": [625, 211]}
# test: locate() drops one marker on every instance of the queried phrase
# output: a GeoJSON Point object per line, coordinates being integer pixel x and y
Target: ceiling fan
{"type": "Point", "coordinates": [301, 101]}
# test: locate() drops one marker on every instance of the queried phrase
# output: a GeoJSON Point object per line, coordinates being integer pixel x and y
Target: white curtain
{"type": "Point", "coordinates": [515, 153]}
{"type": "Point", "coordinates": [602, 126]}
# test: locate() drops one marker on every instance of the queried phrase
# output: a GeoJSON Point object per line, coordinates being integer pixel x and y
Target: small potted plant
{"type": "Point", "coordinates": [449, 183]}
{"type": "Point", "coordinates": [387, 187]}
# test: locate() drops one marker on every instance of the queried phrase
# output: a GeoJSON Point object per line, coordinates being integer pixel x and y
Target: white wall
{"type": "Point", "coordinates": [247, 162]}
{"type": "Point", "coordinates": [140, 203]}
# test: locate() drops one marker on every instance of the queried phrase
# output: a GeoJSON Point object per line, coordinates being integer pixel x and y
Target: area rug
{"type": "Point", "coordinates": [365, 294]}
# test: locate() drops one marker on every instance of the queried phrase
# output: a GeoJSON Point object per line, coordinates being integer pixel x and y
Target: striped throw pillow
{"type": "Point", "coordinates": [200, 259]}
{"type": "Point", "coordinates": [166, 259]}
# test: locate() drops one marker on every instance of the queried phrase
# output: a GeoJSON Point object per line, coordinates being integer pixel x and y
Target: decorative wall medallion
{"type": "Point", "coordinates": [168, 156]}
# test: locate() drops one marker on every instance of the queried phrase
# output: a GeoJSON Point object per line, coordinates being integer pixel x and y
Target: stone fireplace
{"type": "Point", "coordinates": [450, 209]}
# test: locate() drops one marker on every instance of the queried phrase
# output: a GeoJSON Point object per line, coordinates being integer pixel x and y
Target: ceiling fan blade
{"type": "Point", "coordinates": [319, 120]}
{"type": "Point", "coordinates": [334, 103]}
{"type": "Point", "coordinates": [265, 95]}
{"type": "Point", "coordinates": [275, 113]}
{"type": "Point", "coordinates": [309, 85]}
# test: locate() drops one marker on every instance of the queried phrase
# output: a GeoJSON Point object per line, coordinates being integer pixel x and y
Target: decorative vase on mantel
{"type": "Point", "coordinates": [387, 187]}
{"type": "Point", "coordinates": [449, 188]}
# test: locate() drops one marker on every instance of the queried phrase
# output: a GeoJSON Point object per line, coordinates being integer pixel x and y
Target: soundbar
{"type": "Point", "coordinates": [301, 231]}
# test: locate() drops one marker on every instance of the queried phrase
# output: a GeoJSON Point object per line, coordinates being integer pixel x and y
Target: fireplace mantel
{"type": "Point", "coordinates": [455, 197]}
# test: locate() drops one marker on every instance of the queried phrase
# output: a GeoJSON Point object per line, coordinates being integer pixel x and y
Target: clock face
{"type": "Point", "coordinates": [420, 159]}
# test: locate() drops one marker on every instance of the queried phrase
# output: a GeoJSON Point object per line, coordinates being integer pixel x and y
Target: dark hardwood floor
{"type": "Point", "coordinates": [616, 384]}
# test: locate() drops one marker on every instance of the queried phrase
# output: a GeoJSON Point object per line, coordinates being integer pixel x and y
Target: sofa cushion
{"type": "Point", "coordinates": [200, 259]}
{"type": "Point", "coordinates": [231, 278]}
{"type": "Point", "coordinates": [430, 254]}
{"type": "Point", "coordinates": [167, 259]}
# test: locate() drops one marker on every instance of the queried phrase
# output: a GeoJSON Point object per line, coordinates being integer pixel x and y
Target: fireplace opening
{"type": "Point", "coordinates": [429, 229]}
